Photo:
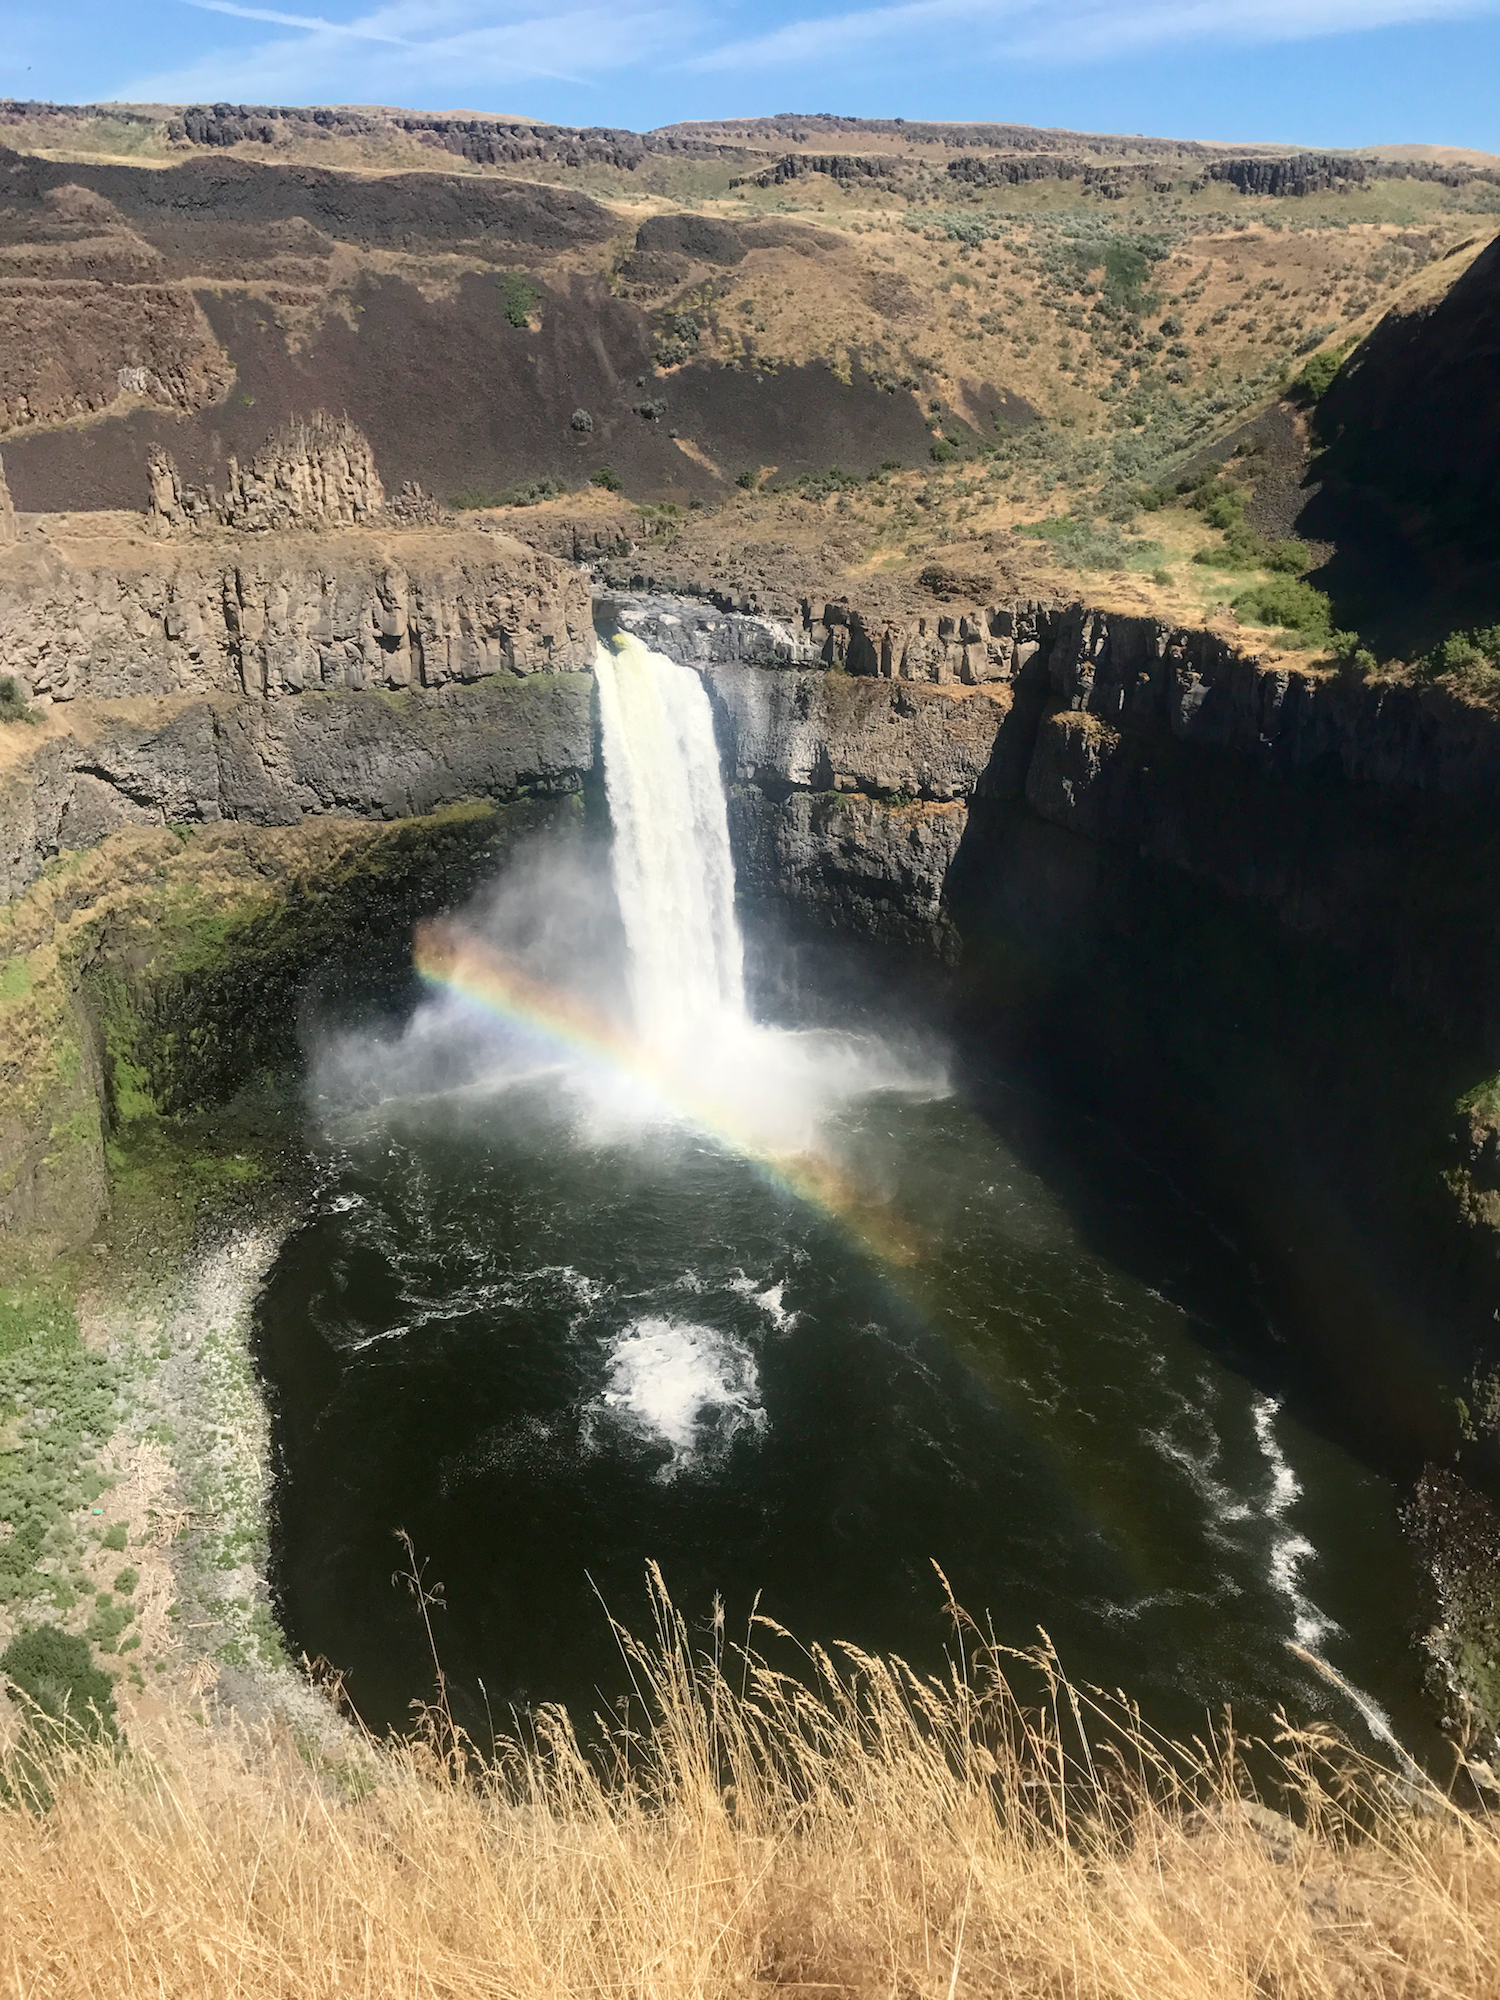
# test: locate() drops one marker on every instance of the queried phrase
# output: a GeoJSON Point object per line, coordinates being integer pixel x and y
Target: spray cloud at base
{"type": "Point", "coordinates": [619, 972]}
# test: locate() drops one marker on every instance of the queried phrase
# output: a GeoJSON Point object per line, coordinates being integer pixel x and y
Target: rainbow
{"type": "Point", "coordinates": [458, 962]}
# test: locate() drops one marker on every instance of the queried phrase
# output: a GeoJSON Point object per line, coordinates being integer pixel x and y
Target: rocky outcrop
{"type": "Point", "coordinates": [701, 636]}
{"type": "Point", "coordinates": [74, 347]}
{"type": "Point", "coordinates": [317, 474]}
{"type": "Point", "coordinates": [809, 730]}
{"type": "Point", "coordinates": [967, 645]}
{"type": "Point", "coordinates": [283, 615]}
{"type": "Point", "coordinates": [1139, 674]}
{"type": "Point", "coordinates": [7, 511]}
{"type": "Point", "coordinates": [867, 866]}
{"type": "Point", "coordinates": [850, 796]}
{"type": "Point", "coordinates": [193, 762]}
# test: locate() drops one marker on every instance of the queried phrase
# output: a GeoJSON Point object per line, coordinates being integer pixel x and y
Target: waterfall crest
{"type": "Point", "coordinates": [673, 872]}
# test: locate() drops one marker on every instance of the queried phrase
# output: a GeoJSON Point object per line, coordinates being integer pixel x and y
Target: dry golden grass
{"type": "Point", "coordinates": [885, 1834]}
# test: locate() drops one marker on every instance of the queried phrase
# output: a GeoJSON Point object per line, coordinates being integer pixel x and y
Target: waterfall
{"type": "Point", "coordinates": [674, 876]}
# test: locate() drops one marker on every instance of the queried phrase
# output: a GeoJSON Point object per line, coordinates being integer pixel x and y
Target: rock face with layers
{"type": "Point", "coordinates": [204, 761]}
{"type": "Point", "coordinates": [286, 614]}
{"type": "Point", "coordinates": [1132, 677]}
{"type": "Point", "coordinates": [1319, 798]}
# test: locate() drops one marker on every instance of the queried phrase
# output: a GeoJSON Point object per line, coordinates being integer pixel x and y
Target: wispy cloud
{"type": "Point", "coordinates": [311, 21]}
{"type": "Point", "coordinates": [460, 49]}
{"type": "Point", "coordinates": [1063, 30]}
{"type": "Point", "coordinates": [474, 51]}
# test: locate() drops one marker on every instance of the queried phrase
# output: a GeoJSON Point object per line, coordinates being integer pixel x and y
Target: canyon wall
{"type": "Point", "coordinates": [187, 716]}
{"type": "Point", "coordinates": [898, 761]}
{"type": "Point", "coordinates": [1245, 906]}
{"type": "Point", "coordinates": [1331, 801]}
{"type": "Point", "coordinates": [224, 677]}
{"type": "Point", "coordinates": [107, 616]}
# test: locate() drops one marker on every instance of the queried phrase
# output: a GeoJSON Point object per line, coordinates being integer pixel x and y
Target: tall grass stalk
{"type": "Point", "coordinates": [856, 1828]}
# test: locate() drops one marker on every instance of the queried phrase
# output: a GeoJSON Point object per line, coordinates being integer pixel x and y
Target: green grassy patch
{"type": "Point", "coordinates": [57, 1408]}
{"type": "Point", "coordinates": [1296, 607]}
{"type": "Point", "coordinates": [1093, 545]}
{"type": "Point", "coordinates": [520, 297]}
{"type": "Point", "coordinates": [15, 979]}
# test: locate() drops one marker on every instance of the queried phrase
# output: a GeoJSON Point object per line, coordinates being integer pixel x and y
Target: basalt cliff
{"type": "Point", "coordinates": [922, 764]}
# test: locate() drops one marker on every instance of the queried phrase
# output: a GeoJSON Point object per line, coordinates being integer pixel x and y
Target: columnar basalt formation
{"type": "Point", "coordinates": [317, 474]}
{"type": "Point", "coordinates": [286, 614]}
{"type": "Point", "coordinates": [1320, 798]}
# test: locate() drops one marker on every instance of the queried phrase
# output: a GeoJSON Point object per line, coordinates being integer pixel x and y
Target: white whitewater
{"type": "Point", "coordinates": [674, 876]}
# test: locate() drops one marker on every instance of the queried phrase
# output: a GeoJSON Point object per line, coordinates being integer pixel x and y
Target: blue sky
{"type": "Point", "coordinates": [1337, 72]}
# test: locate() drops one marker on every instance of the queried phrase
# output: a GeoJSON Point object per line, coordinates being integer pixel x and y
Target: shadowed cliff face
{"type": "Point", "coordinates": [1242, 909]}
{"type": "Point", "coordinates": [1410, 467]}
{"type": "Point", "coordinates": [1253, 862]}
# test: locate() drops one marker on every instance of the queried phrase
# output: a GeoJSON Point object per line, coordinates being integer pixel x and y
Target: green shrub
{"type": "Point", "coordinates": [1470, 660]}
{"type": "Point", "coordinates": [1312, 382]}
{"type": "Point", "coordinates": [608, 478]}
{"type": "Point", "coordinates": [531, 495]}
{"type": "Point", "coordinates": [56, 1673]}
{"type": "Point", "coordinates": [941, 451]}
{"type": "Point", "coordinates": [114, 1536]}
{"type": "Point", "coordinates": [520, 297]}
{"type": "Point", "coordinates": [1288, 558]}
{"type": "Point", "coordinates": [1463, 651]}
{"type": "Point", "coordinates": [1224, 509]}
{"type": "Point", "coordinates": [1290, 603]}
{"type": "Point", "coordinates": [1241, 548]}
{"type": "Point", "coordinates": [13, 704]}
{"type": "Point", "coordinates": [749, 480]}
{"type": "Point", "coordinates": [126, 1581]}
{"type": "Point", "coordinates": [108, 1622]}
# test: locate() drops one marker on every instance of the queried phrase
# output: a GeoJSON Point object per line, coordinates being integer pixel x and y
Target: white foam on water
{"type": "Point", "coordinates": [689, 1385]}
{"type": "Point", "coordinates": [1289, 1551]}
{"type": "Point", "coordinates": [769, 1299]}
{"type": "Point", "coordinates": [1286, 1548]}
{"type": "Point", "coordinates": [1225, 1507]}
{"type": "Point", "coordinates": [1285, 1485]}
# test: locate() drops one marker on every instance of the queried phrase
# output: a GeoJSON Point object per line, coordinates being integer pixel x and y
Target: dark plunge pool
{"type": "Point", "coordinates": [553, 1353]}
